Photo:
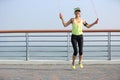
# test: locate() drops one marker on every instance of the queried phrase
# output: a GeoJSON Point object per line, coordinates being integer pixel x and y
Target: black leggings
{"type": "Point", "coordinates": [77, 39]}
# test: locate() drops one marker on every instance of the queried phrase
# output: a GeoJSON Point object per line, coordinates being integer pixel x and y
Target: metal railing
{"type": "Point", "coordinates": [56, 45]}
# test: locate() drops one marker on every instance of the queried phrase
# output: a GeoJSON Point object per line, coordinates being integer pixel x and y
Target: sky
{"type": "Point", "coordinates": [44, 14]}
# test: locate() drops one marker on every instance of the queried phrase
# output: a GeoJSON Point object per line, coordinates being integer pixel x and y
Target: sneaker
{"type": "Point", "coordinates": [73, 67]}
{"type": "Point", "coordinates": [81, 65]}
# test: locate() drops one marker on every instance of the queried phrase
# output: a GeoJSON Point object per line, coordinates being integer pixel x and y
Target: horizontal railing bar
{"type": "Point", "coordinates": [12, 36]}
{"type": "Point", "coordinates": [48, 36]}
{"type": "Point", "coordinates": [36, 36]}
{"type": "Point", "coordinates": [12, 46]}
{"type": "Point", "coordinates": [95, 40]}
{"type": "Point", "coordinates": [47, 56]}
{"type": "Point", "coordinates": [115, 45]}
{"type": "Point", "coordinates": [93, 51]}
{"type": "Point", "coordinates": [71, 46]}
{"type": "Point", "coordinates": [96, 56]}
{"type": "Point", "coordinates": [47, 40]}
{"type": "Point", "coordinates": [105, 35]}
{"type": "Point", "coordinates": [115, 55]}
{"type": "Point", "coordinates": [115, 50]}
{"type": "Point", "coordinates": [66, 50]}
{"type": "Point", "coordinates": [12, 41]}
{"type": "Point", "coordinates": [62, 41]}
{"type": "Point", "coordinates": [47, 46]}
{"type": "Point", "coordinates": [60, 56]}
{"type": "Point", "coordinates": [95, 45]}
{"type": "Point", "coordinates": [92, 46]}
{"type": "Point", "coordinates": [59, 41]}
{"type": "Point", "coordinates": [38, 41]}
{"type": "Point", "coordinates": [54, 56]}
{"type": "Point", "coordinates": [12, 51]}
{"type": "Point", "coordinates": [63, 46]}
{"type": "Point", "coordinates": [96, 51]}
{"type": "Point", "coordinates": [95, 35]}
{"type": "Point", "coordinates": [59, 36]}
{"type": "Point", "coordinates": [62, 36]}
{"type": "Point", "coordinates": [13, 56]}
{"type": "Point", "coordinates": [115, 35]}
{"type": "Point", "coordinates": [103, 30]}
{"type": "Point", "coordinates": [66, 35]}
{"type": "Point", "coordinates": [115, 40]}
{"type": "Point", "coordinates": [45, 31]}
{"type": "Point", "coordinates": [34, 31]}
{"type": "Point", "coordinates": [62, 51]}
{"type": "Point", "coordinates": [48, 51]}
{"type": "Point", "coordinates": [51, 40]}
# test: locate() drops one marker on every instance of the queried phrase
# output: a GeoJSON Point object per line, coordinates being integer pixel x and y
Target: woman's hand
{"type": "Point", "coordinates": [60, 15]}
{"type": "Point", "coordinates": [96, 21]}
{"type": "Point", "coordinates": [65, 24]}
{"type": "Point", "coordinates": [90, 25]}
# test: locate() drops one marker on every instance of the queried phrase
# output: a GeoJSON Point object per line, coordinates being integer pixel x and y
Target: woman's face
{"type": "Point", "coordinates": [77, 13]}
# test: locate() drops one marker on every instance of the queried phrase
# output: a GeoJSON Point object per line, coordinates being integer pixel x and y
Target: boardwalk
{"type": "Point", "coordinates": [59, 72]}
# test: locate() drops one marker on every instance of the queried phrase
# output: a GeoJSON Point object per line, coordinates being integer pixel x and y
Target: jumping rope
{"type": "Point", "coordinates": [93, 5]}
{"type": "Point", "coordinates": [95, 11]}
{"type": "Point", "coordinates": [59, 8]}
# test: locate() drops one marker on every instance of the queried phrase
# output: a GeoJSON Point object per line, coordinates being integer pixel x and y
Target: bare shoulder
{"type": "Point", "coordinates": [72, 19]}
{"type": "Point", "coordinates": [83, 21]}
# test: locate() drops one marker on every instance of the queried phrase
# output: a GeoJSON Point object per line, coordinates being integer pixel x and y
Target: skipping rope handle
{"type": "Point", "coordinates": [96, 20]}
{"type": "Point", "coordinates": [60, 15]}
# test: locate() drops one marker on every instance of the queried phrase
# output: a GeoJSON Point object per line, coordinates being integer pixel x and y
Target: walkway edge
{"type": "Point", "coordinates": [58, 62]}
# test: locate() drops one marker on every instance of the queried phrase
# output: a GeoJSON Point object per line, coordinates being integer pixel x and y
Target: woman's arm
{"type": "Point", "coordinates": [90, 25]}
{"type": "Point", "coordinates": [63, 22]}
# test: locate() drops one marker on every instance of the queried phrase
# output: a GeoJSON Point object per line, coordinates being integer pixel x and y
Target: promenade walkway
{"type": "Point", "coordinates": [59, 71]}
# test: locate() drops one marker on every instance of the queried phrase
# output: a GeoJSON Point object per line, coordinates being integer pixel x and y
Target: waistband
{"type": "Point", "coordinates": [77, 35]}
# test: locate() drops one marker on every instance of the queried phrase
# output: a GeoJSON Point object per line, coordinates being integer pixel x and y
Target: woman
{"type": "Point", "coordinates": [77, 34]}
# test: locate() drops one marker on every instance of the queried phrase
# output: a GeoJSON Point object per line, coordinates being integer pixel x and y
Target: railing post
{"type": "Point", "coordinates": [68, 46]}
{"type": "Point", "coordinates": [27, 53]}
{"type": "Point", "coordinates": [109, 45]}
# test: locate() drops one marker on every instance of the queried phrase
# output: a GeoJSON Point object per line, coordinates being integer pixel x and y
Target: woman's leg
{"type": "Point", "coordinates": [74, 44]}
{"type": "Point", "coordinates": [80, 45]}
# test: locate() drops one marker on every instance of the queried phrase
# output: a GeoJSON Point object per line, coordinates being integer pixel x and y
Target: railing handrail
{"type": "Point", "coordinates": [38, 31]}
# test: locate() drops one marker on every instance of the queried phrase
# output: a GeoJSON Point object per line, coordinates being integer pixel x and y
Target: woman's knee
{"type": "Point", "coordinates": [75, 53]}
{"type": "Point", "coordinates": [80, 53]}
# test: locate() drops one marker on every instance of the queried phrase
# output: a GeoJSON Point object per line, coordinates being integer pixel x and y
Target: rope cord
{"type": "Point", "coordinates": [95, 11]}
{"type": "Point", "coordinates": [93, 5]}
{"type": "Point", "coordinates": [59, 6]}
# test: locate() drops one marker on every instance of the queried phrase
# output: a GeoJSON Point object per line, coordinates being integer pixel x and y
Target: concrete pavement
{"type": "Point", "coordinates": [59, 72]}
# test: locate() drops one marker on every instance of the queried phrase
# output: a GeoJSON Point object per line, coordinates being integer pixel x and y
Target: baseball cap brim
{"type": "Point", "coordinates": [77, 9]}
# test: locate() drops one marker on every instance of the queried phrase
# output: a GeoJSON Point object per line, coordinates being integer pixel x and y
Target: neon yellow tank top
{"type": "Point", "coordinates": [77, 28]}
